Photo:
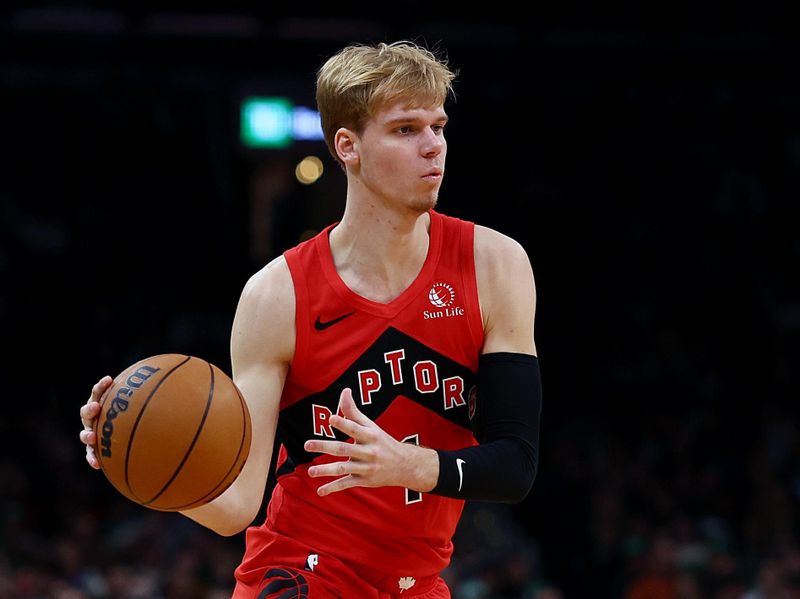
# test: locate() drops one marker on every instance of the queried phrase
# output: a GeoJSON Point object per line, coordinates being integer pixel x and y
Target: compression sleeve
{"type": "Point", "coordinates": [503, 466]}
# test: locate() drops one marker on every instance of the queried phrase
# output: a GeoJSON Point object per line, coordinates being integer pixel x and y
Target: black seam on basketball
{"type": "Point", "coordinates": [216, 491]}
{"type": "Point", "coordinates": [192, 444]}
{"type": "Point", "coordinates": [138, 419]}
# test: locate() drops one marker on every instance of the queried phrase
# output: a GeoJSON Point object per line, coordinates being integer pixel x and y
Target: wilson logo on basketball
{"type": "Point", "coordinates": [119, 404]}
{"type": "Point", "coordinates": [443, 296]}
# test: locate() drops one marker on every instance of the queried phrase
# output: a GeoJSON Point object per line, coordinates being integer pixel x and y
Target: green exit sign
{"type": "Point", "coordinates": [267, 122]}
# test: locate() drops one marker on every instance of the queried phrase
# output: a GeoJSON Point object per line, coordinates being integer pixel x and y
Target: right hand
{"type": "Point", "coordinates": [89, 412]}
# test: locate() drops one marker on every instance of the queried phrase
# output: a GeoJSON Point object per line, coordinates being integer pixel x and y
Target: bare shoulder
{"type": "Point", "coordinates": [506, 291]}
{"type": "Point", "coordinates": [272, 283]}
{"type": "Point", "coordinates": [264, 321]}
{"type": "Point", "coordinates": [497, 255]}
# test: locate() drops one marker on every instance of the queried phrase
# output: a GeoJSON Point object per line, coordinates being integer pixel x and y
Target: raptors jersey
{"type": "Point", "coordinates": [411, 364]}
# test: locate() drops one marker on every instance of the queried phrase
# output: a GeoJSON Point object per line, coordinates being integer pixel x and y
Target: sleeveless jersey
{"type": "Point", "coordinates": [411, 364]}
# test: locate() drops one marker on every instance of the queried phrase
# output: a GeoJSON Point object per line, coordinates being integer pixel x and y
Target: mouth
{"type": "Point", "coordinates": [433, 175]}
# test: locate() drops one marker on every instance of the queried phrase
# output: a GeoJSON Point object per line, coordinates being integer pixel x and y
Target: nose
{"type": "Point", "coordinates": [433, 143]}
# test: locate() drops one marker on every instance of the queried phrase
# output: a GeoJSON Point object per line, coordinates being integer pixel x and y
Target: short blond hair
{"type": "Point", "coordinates": [357, 81]}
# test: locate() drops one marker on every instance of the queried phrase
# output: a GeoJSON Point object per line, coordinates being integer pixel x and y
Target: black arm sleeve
{"type": "Point", "coordinates": [503, 467]}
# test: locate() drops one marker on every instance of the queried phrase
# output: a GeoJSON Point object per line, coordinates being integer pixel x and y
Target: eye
{"type": "Point", "coordinates": [404, 129]}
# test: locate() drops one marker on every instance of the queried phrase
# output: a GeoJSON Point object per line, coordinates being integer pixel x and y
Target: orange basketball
{"type": "Point", "coordinates": [173, 432]}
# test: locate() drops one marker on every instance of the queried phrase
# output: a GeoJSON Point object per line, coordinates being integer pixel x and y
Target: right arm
{"type": "Point", "coordinates": [262, 346]}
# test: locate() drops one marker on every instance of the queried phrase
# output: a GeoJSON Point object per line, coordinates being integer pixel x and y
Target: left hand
{"type": "Point", "coordinates": [375, 458]}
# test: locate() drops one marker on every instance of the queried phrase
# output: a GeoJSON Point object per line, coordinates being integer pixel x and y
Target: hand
{"type": "Point", "coordinates": [375, 459]}
{"type": "Point", "coordinates": [89, 412]}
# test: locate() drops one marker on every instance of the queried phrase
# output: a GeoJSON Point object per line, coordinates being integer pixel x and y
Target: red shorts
{"type": "Point", "coordinates": [289, 569]}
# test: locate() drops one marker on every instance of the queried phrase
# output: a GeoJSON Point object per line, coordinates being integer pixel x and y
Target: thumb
{"type": "Point", "coordinates": [348, 408]}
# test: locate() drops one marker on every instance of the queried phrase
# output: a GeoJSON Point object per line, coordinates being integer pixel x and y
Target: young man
{"type": "Point", "coordinates": [363, 348]}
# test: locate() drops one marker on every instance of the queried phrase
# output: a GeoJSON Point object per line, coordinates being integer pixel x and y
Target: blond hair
{"type": "Point", "coordinates": [357, 81]}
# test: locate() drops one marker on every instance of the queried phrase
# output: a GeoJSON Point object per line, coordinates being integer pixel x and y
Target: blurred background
{"type": "Point", "coordinates": [648, 158]}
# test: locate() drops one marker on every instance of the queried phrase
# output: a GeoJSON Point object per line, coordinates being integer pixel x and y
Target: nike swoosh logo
{"type": "Point", "coordinates": [459, 461]}
{"type": "Point", "coordinates": [321, 326]}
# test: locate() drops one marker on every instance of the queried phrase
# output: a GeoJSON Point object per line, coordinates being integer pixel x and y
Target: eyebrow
{"type": "Point", "coordinates": [415, 119]}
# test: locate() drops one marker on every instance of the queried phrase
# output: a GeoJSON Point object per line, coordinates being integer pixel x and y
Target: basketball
{"type": "Point", "coordinates": [173, 432]}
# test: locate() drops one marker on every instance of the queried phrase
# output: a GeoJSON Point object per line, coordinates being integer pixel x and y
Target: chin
{"type": "Point", "coordinates": [424, 204]}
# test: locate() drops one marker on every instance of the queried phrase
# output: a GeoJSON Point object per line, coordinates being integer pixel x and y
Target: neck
{"type": "Point", "coordinates": [379, 252]}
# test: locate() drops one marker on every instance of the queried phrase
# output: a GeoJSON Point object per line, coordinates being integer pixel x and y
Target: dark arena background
{"type": "Point", "coordinates": [647, 158]}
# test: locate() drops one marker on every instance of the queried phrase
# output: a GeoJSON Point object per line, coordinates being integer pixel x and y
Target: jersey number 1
{"type": "Point", "coordinates": [412, 496]}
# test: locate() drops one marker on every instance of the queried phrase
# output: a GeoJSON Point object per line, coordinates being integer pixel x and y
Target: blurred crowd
{"type": "Point", "coordinates": [654, 515]}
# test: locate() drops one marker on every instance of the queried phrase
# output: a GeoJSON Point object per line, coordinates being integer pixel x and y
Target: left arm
{"type": "Point", "coordinates": [503, 466]}
{"type": "Point", "coordinates": [507, 293]}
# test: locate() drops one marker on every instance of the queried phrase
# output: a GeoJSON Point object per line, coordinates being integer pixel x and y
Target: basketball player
{"type": "Point", "coordinates": [363, 348]}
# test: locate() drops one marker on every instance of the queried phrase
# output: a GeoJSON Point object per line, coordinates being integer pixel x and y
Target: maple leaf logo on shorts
{"type": "Point", "coordinates": [405, 583]}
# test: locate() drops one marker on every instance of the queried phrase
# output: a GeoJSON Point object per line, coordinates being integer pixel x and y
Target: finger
{"type": "Point", "coordinates": [335, 448]}
{"type": "Point", "coordinates": [348, 408]}
{"type": "Point", "coordinates": [349, 427]}
{"type": "Point", "coordinates": [340, 484]}
{"type": "Point", "coordinates": [88, 437]}
{"type": "Point", "coordinates": [100, 388]}
{"type": "Point", "coordinates": [341, 468]}
{"type": "Point", "coordinates": [90, 410]}
{"type": "Point", "coordinates": [89, 413]}
{"type": "Point", "coordinates": [91, 457]}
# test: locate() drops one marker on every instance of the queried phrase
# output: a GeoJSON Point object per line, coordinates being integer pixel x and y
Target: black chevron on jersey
{"type": "Point", "coordinates": [296, 421]}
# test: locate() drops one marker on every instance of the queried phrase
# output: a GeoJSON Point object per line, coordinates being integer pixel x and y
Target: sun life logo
{"type": "Point", "coordinates": [442, 295]}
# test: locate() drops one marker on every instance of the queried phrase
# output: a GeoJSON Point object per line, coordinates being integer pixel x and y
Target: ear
{"type": "Point", "coordinates": [346, 143]}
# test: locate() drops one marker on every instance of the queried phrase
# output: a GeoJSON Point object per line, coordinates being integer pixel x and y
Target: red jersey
{"type": "Point", "coordinates": [412, 365]}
